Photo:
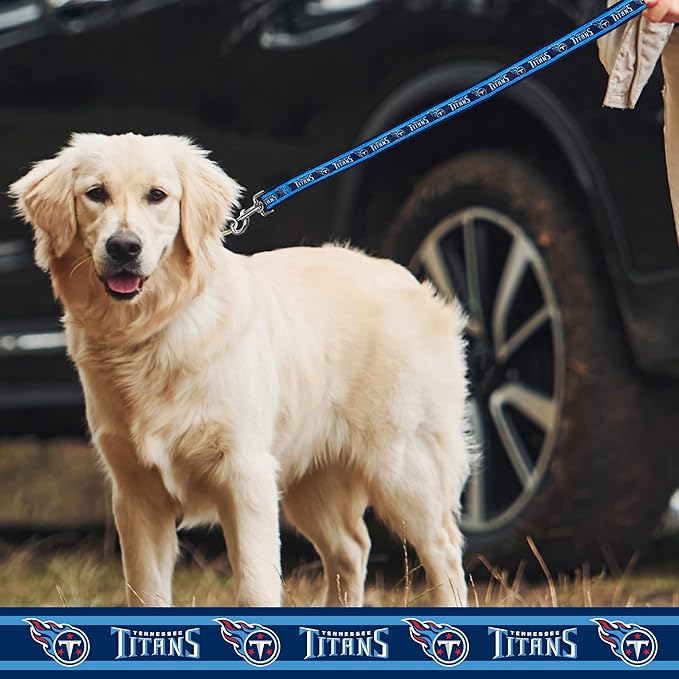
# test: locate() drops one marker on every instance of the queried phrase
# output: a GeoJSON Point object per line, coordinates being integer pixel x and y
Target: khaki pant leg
{"type": "Point", "coordinates": [670, 62]}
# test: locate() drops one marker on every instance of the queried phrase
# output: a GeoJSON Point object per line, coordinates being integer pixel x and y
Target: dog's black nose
{"type": "Point", "coordinates": [123, 246]}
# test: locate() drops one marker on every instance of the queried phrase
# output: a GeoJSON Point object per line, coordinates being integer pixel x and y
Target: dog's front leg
{"type": "Point", "coordinates": [248, 511]}
{"type": "Point", "coordinates": [148, 541]}
{"type": "Point", "coordinates": [145, 516]}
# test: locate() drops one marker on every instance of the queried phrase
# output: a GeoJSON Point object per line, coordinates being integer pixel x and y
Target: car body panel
{"type": "Point", "coordinates": [273, 87]}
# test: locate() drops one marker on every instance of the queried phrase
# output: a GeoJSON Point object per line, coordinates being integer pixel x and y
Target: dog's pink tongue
{"type": "Point", "coordinates": [124, 283]}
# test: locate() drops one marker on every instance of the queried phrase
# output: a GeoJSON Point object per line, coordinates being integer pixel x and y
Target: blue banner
{"type": "Point", "coordinates": [376, 640]}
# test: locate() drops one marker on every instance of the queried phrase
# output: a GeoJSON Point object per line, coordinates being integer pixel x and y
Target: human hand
{"type": "Point", "coordinates": [662, 11]}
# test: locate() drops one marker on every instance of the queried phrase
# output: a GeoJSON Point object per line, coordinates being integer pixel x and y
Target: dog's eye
{"type": "Point", "coordinates": [97, 194]}
{"type": "Point", "coordinates": [156, 195]}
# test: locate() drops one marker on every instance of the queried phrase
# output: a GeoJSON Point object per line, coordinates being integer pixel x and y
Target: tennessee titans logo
{"type": "Point", "coordinates": [256, 644]}
{"type": "Point", "coordinates": [443, 643]}
{"type": "Point", "coordinates": [633, 644]}
{"type": "Point", "coordinates": [67, 645]}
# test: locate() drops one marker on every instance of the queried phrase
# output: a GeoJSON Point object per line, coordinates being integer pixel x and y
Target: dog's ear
{"type": "Point", "coordinates": [209, 197]}
{"type": "Point", "coordinates": [44, 198]}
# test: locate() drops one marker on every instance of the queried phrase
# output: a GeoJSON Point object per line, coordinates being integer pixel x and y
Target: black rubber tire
{"type": "Point", "coordinates": [611, 475]}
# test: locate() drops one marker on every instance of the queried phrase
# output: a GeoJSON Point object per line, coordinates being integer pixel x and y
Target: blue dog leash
{"type": "Point", "coordinates": [264, 203]}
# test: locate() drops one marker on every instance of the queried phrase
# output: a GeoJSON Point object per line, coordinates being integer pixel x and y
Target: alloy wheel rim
{"type": "Point", "coordinates": [516, 355]}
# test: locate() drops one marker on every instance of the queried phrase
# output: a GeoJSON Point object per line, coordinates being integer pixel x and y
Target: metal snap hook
{"type": "Point", "coordinates": [235, 226]}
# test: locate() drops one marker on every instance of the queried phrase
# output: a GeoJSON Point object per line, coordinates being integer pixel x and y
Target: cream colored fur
{"type": "Point", "coordinates": [320, 377]}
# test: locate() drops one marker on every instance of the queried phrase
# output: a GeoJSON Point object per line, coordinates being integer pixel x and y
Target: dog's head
{"type": "Point", "coordinates": [121, 207]}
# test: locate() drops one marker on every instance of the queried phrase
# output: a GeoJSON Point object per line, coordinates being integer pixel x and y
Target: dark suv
{"type": "Point", "coordinates": [547, 215]}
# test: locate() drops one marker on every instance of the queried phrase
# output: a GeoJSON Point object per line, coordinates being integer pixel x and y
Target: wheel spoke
{"type": "Point", "coordinates": [433, 262]}
{"type": "Point", "coordinates": [471, 257]}
{"type": "Point", "coordinates": [475, 496]}
{"type": "Point", "coordinates": [511, 441]}
{"type": "Point", "coordinates": [510, 281]}
{"type": "Point", "coordinates": [539, 408]}
{"type": "Point", "coordinates": [504, 350]}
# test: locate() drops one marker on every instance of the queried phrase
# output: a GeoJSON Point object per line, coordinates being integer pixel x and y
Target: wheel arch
{"type": "Point", "coordinates": [527, 117]}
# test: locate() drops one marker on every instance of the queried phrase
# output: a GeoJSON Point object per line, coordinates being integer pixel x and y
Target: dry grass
{"type": "Point", "coordinates": [87, 577]}
{"type": "Point", "coordinates": [35, 491]}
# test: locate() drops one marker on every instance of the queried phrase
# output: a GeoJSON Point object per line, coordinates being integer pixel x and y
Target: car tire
{"type": "Point", "coordinates": [575, 447]}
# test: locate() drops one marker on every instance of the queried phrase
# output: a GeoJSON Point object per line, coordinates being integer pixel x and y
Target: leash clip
{"type": "Point", "coordinates": [235, 226]}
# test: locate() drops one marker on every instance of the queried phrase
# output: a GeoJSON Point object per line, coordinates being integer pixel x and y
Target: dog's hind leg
{"type": "Point", "coordinates": [420, 507]}
{"type": "Point", "coordinates": [327, 507]}
{"type": "Point", "coordinates": [441, 556]}
{"type": "Point", "coordinates": [438, 543]}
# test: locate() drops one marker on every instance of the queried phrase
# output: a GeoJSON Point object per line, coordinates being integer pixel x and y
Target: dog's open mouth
{"type": "Point", "coordinates": [123, 285]}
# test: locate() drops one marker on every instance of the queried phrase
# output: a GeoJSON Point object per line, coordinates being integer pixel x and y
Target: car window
{"type": "Point", "coordinates": [17, 14]}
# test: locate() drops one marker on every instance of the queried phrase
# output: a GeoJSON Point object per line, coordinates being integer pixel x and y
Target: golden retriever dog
{"type": "Point", "coordinates": [220, 386]}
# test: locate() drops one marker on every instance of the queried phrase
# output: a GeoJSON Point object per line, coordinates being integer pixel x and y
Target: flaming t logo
{"type": "Point", "coordinates": [632, 643]}
{"type": "Point", "coordinates": [67, 645]}
{"type": "Point", "coordinates": [443, 643]}
{"type": "Point", "coordinates": [256, 644]}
